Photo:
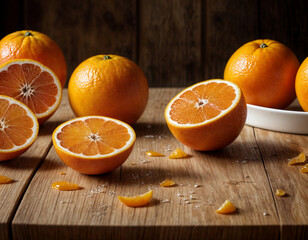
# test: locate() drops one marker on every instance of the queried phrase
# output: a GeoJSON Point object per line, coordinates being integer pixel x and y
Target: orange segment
{"type": "Point", "coordinates": [4, 179]}
{"type": "Point", "coordinates": [167, 183]}
{"type": "Point", "coordinates": [208, 115]}
{"type": "Point", "coordinates": [226, 208]}
{"type": "Point", "coordinates": [18, 128]}
{"type": "Point", "coordinates": [33, 84]}
{"type": "Point", "coordinates": [301, 158]}
{"type": "Point", "coordinates": [65, 186]}
{"type": "Point", "coordinates": [280, 193]}
{"type": "Point", "coordinates": [178, 153]}
{"type": "Point", "coordinates": [137, 201]}
{"type": "Point", "coordinates": [95, 144]}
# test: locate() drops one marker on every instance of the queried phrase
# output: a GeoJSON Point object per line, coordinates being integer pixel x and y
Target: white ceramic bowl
{"type": "Point", "coordinates": [290, 120]}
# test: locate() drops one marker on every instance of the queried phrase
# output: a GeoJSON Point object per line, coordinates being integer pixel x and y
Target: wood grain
{"type": "Point", "coordinates": [227, 26]}
{"type": "Point", "coordinates": [86, 28]}
{"type": "Point", "coordinates": [276, 150]}
{"type": "Point", "coordinates": [22, 169]}
{"type": "Point", "coordinates": [170, 42]}
{"type": "Point", "coordinates": [94, 212]}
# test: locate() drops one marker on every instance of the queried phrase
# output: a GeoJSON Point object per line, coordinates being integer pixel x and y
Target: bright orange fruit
{"type": "Point", "coordinates": [208, 115]}
{"type": "Point", "coordinates": [265, 70]}
{"type": "Point", "coordinates": [18, 128]}
{"type": "Point", "coordinates": [226, 208]}
{"type": "Point", "coordinates": [137, 201]}
{"type": "Point", "coordinates": [108, 85]}
{"type": "Point", "coordinates": [301, 85]}
{"type": "Point", "coordinates": [94, 144]}
{"type": "Point", "coordinates": [28, 44]}
{"type": "Point", "coordinates": [33, 84]}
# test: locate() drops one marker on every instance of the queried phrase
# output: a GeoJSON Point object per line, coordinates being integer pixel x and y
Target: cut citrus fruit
{"type": "Point", "coordinates": [18, 128]}
{"type": "Point", "coordinates": [33, 84]}
{"type": "Point", "coordinates": [208, 115]}
{"type": "Point", "coordinates": [137, 201]}
{"type": "Point", "coordinates": [178, 153]}
{"type": "Point", "coordinates": [94, 144]}
{"type": "Point", "coordinates": [301, 158]}
{"type": "Point", "coordinates": [154, 154]}
{"type": "Point", "coordinates": [280, 193]}
{"type": "Point", "coordinates": [167, 183]}
{"type": "Point", "coordinates": [226, 208]}
{"type": "Point", "coordinates": [65, 186]}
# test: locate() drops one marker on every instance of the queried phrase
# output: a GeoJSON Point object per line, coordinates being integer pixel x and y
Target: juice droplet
{"type": "Point", "coordinates": [62, 173]}
{"type": "Point", "coordinates": [65, 186]}
{"type": "Point", "coordinates": [4, 179]}
{"type": "Point", "coordinates": [280, 193]}
{"type": "Point", "coordinates": [154, 154]}
{"type": "Point", "coordinates": [167, 183]}
{"type": "Point", "coordinates": [178, 153]}
{"type": "Point", "coordinates": [298, 159]}
{"type": "Point", "coordinates": [304, 169]}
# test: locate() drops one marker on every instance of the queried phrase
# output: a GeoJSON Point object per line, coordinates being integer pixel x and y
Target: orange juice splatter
{"type": "Point", "coordinates": [298, 159]}
{"type": "Point", "coordinates": [304, 169]}
{"type": "Point", "coordinates": [4, 179]}
{"type": "Point", "coordinates": [65, 186]}
{"type": "Point", "coordinates": [154, 154]}
{"type": "Point", "coordinates": [280, 193]}
{"type": "Point", "coordinates": [167, 183]}
{"type": "Point", "coordinates": [178, 153]}
{"type": "Point", "coordinates": [62, 173]}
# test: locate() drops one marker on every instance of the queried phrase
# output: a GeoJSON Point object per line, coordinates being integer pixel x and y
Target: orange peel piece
{"type": "Point", "coordinates": [280, 193]}
{"type": "Point", "coordinates": [4, 179]}
{"type": "Point", "coordinates": [137, 201]}
{"type": "Point", "coordinates": [301, 158]}
{"type": "Point", "coordinates": [304, 169]}
{"type": "Point", "coordinates": [167, 183]}
{"type": "Point", "coordinates": [178, 153]}
{"type": "Point", "coordinates": [226, 208]}
{"type": "Point", "coordinates": [154, 154]}
{"type": "Point", "coordinates": [65, 186]}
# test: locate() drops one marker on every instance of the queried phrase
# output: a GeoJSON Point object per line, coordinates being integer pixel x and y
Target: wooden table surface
{"type": "Point", "coordinates": [247, 172]}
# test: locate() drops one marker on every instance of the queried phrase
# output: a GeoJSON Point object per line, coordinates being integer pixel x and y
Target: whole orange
{"type": "Point", "coordinates": [265, 70]}
{"type": "Point", "coordinates": [301, 85]}
{"type": "Point", "coordinates": [108, 85]}
{"type": "Point", "coordinates": [34, 45]}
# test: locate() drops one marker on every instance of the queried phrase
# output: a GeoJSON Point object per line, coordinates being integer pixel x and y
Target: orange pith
{"type": "Point", "coordinates": [18, 128]}
{"type": "Point", "coordinates": [33, 84]}
{"type": "Point", "coordinates": [94, 144]}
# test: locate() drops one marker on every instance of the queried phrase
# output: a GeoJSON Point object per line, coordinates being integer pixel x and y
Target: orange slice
{"type": "Point", "coordinates": [33, 84]}
{"type": "Point", "coordinates": [226, 208]}
{"type": "Point", "coordinates": [208, 115]}
{"type": "Point", "coordinates": [18, 128]}
{"type": "Point", "coordinates": [94, 144]}
{"type": "Point", "coordinates": [178, 153]}
{"type": "Point", "coordinates": [137, 201]}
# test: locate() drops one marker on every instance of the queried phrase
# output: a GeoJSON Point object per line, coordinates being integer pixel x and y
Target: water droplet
{"type": "Point", "coordinates": [192, 197]}
{"type": "Point", "coordinates": [197, 206]}
{"type": "Point", "coordinates": [165, 201]}
{"type": "Point", "coordinates": [266, 214]}
{"type": "Point", "coordinates": [180, 195]}
{"type": "Point", "coordinates": [247, 176]}
{"type": "Point", "coordinates": [62, 202]}
{"type": "Point", "coordinates": [197, 185]}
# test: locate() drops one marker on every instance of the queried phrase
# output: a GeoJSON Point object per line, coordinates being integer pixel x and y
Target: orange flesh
{"type": "Point", "coordinates": [137, 201]}
{"type": "Point", "coordinates": [226, 208]}
{"type": "Point", "coordinates": [167, 183]}
{"type": "Point", "coordinates": [298, 159]}
{"type": "Point", "coordinates": [93, 136]}
{"type": "Point", "coordinates": [178, 153]}
{"type": "Point", "coordinates": [304, 169]}
{"type": "Point", "coordinates": [15, 125]}
{"type": "Point", "coordinates": [28, 84]}
{"type": "Point", "coordinates": [280, 193]}
{"type": "Point", "coordinates": [65, 186]}
{"type": "Point", "coordinates": [154, 154]}
{"type": "Point", "coordinates": [4, 179]}
{"type": "Point", "coordinates": [202, 103]}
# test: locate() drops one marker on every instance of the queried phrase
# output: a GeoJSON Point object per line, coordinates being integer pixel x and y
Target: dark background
{"type": "Point", "coordinates": [175, 42]}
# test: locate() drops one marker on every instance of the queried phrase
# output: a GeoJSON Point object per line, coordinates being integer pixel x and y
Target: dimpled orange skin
{"type": "Point", "coordinates": [301, 85]}
{"type": "Point", "coordinates": [265, 73]}
{"type": "Point", "coordinates": [28, 44]}
{"type": "Point", "coordinates": [111, 86]}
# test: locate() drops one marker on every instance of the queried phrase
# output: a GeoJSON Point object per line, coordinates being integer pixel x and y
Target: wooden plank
{"type": "Point", "coordinates": [170, 42]}
{"type": "Point", "coordinates": [85, 28]}
{"type": "Point", "coordinates": [234, 173]}
{"type": "Point", "coordinates": [227, 26]}
{"type": "Point", "coordinates": [286, 22]}
{"type": "Point", "coordinates": [21, 170]}
{"type": "Point", "coordinates": [277, 149]}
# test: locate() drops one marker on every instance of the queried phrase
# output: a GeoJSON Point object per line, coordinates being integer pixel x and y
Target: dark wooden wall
{"type": "Point", "coordinates": [175, 42]}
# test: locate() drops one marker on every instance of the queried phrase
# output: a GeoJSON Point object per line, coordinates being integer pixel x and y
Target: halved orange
{"type": "Point", "coordinates": [208, 115]}
{"type": "Point", "coordinates": [33, 84]}
{"type": "Point", "coordinates": [93, 144]}
{"type": "Point", "coordinates": [137, 201]}
{"type": "Point", "coordinates": [18, 128]}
